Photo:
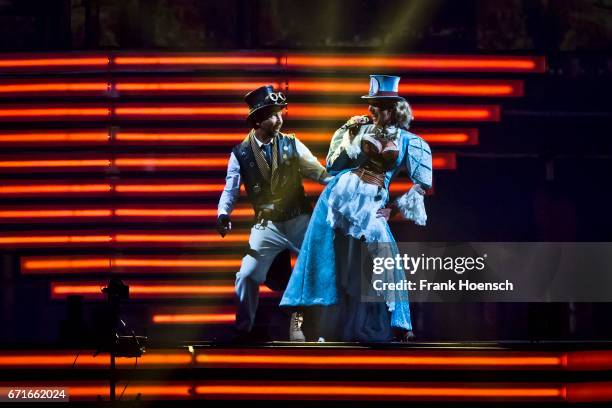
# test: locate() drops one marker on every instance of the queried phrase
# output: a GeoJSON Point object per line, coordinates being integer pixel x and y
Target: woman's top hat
{"type": "Point", "coordinates": [383, 87]}
{"type": "Point", "coordinates": [263, 101]}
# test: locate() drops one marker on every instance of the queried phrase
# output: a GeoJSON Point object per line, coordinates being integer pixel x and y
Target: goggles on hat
{"type": "Point", "coordinates": [277, 97]}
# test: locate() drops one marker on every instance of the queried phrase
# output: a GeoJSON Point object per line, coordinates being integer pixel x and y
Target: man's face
{"type": "Point", "coordinates": [273, 124]}
{"type": "Point", "coordinates": [381, 113]}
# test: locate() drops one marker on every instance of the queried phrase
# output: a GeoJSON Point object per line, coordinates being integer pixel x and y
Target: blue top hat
{"type": "Point", "coordinates": [383, 87]}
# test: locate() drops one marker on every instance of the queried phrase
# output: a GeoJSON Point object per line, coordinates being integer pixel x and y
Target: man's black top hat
{"type": "Point", "coordinates": [264, 100]}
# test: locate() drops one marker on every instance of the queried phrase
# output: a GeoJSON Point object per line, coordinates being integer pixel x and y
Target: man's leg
{"type": "Point", "coordinates": [264, 244]}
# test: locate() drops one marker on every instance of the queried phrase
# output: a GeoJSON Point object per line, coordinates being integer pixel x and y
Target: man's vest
{"type": "Point", "coordinates": [279, 197]}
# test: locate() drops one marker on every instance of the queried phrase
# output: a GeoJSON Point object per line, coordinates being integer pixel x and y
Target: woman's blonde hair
{"type": "Point", "coordinates": [402, 114]}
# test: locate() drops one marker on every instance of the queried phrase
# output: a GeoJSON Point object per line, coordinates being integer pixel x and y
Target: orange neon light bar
{"type": "Point", "coordinates": [95, 263]}
{"type": "Point", "coordinates": [204, 111]}
{"type": "Point", "coordinates": [27, 164]}
{"type": "Point", "coordinates": [376, 391]}
{"type": "Point", "coordinates": [55, 239]}
{"type": "Point", "coordinates": [42, 87]}
{"type": "Point", "coordinates": [421, 112]}
{"type": "Point", "coordinates": [205, 60]}
{"type": "Point", "coordinates": [202, 162]}
{"type": "Point", "coordinates": [367, 359]}
{"type": "Point", "coordinates": [238, 112]}
{"type": "Point", "coordinates": [205, 161]}
{"type": "Point", "coordinates": [158, 188]}
{"type": "Point", "coordinates": [235, 238]}
{"type": "Point", "coordinates": [42, 359]}
{"type": "Point", "coordinates": [52, 62]}
{"type": "Point", "coordinates": [42, 112]}
{"type": "Point", "coordinates": [472, 63]}
{"type": "Point", "coordinates": [170, 212]}
{"type": "Point", "coordinates": [433, 136]}
{"type": "Point", "coordinates": [148, 289]}
{"type": "Point", "coordinates": [203, 137]}
{"type": "Point", "coordinates": [199, 318]}
{"type": "Point", "coordinates": [53, 137]}
{"type": "Point", "coordinates": [327, 359]}
{"type": "Point", "coordinates": [413, 87]}
{"type": "Point", "coordinates": [311, 112]}
{"type": "Point", "coordinates": [350, 391]}
{"type": "Point", "coordinates": [451, 63]}
{"type": "Point", "coordinates": [218, 85]}
{"type": "Point", "coordinates": [408, 87]}
{"type": "Point", "coordinates": [146, 392]}
{"type": "Point", "coordinates": [43, 189]}
{"type": "Point", "coordinates": [178, 188]}
{"type": "Point", "coordinates": [55, 213]}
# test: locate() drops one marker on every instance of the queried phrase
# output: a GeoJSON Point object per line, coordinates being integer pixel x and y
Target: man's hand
{"type": "Point", "coordinates": [224, 224]}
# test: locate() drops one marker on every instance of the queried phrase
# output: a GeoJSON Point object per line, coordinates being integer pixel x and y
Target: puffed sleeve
{"type": "Point", "coordinates": [418, 162]}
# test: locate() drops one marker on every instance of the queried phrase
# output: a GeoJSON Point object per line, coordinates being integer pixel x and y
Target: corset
{"type": "Point", "coordinates": [381, 154]}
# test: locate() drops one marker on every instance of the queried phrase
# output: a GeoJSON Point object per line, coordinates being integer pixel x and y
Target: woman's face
{"type": "Point", "coordinates": [381, 113]}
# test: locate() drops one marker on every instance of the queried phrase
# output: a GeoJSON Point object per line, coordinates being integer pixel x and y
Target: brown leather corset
{"type": "Point", "coordinates": [382, 154]}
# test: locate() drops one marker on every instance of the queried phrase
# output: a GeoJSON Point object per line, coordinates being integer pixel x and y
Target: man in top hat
{"type": "Point", "coordinates": [270, 164]}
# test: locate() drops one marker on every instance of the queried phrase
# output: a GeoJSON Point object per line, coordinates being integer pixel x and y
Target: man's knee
{"type": "Point", "coordinates": [252, 269]}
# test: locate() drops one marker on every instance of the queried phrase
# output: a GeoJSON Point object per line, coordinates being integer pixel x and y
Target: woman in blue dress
{"type": "Point", "coordinates": [351, 216]}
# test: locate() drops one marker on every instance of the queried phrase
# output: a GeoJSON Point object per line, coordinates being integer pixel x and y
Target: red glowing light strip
{"type": "Point", "coordinates": [444, 161]}
{"type": "Point", "coordinates": [149, 289]}
{"type": "Point", "coordinates": [179, 111]}
{"type": "Point", "coordinates": [126, 264]}
{"type": "Point", "coordinates": [53, 62]}
{"type": "Point", "coordinates": [19, 113]}
{"type": "Point", "coordinates": [194, 318]}
{"type": "Point", "coordinates": [284, 390]}
{"type": "Point", "coordinates": [382, 359]}
{"type": "Point", "coordinates": [421, 112]}
{"type": "Point", "coordinates": [63, 359]}
{"type": "Point", "coordinates": [167, 188]}
{"type": "Point", "coordinates": [326, 359]}
{"type": "Point", "coordinates": [54, 189]}
{"type": "Point", "coordinates": [414, 87]}
{"type": "Point", "coordinates": [215, 86]}
{"type": "Point", "coordinates": [33, 164]}
{"type": "Point", "coordinates": [467, 136]}
{"type": "Point", "coordinates": [454, 63]}
{"type": "Point", "coordinates": [201, 212]}
{"type": "Point", "coordinates": [433, 136]}
{"type": "Point", "coordinates": [159, 188]}
{"type": "Point", "coordinates": [12, 138]}
{"type": "Point", "coordinates": [16, 88]}
{"type": "Point", "coordinates": [196, 60]}
{"type": "Point", "coordinates": [239, 112]}
{"type": "Point", "coordinates": [179, 238]}
{"type": "Point", "coordinates": [309, 112]}
{"type": "Point", "coordinates": [409, 87]}
{"type": "Point", "coordinates": [203, 162]}
{"type": "Point", "coordinates": [419, 63]}
{"type": "Point", "coordinates": [348, 391]}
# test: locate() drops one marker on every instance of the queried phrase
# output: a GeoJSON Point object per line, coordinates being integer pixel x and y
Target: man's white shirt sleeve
{"type": "Point", "coordinates": [231, 191]}
{"type": "Point", "coordinates": [309, 165]}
